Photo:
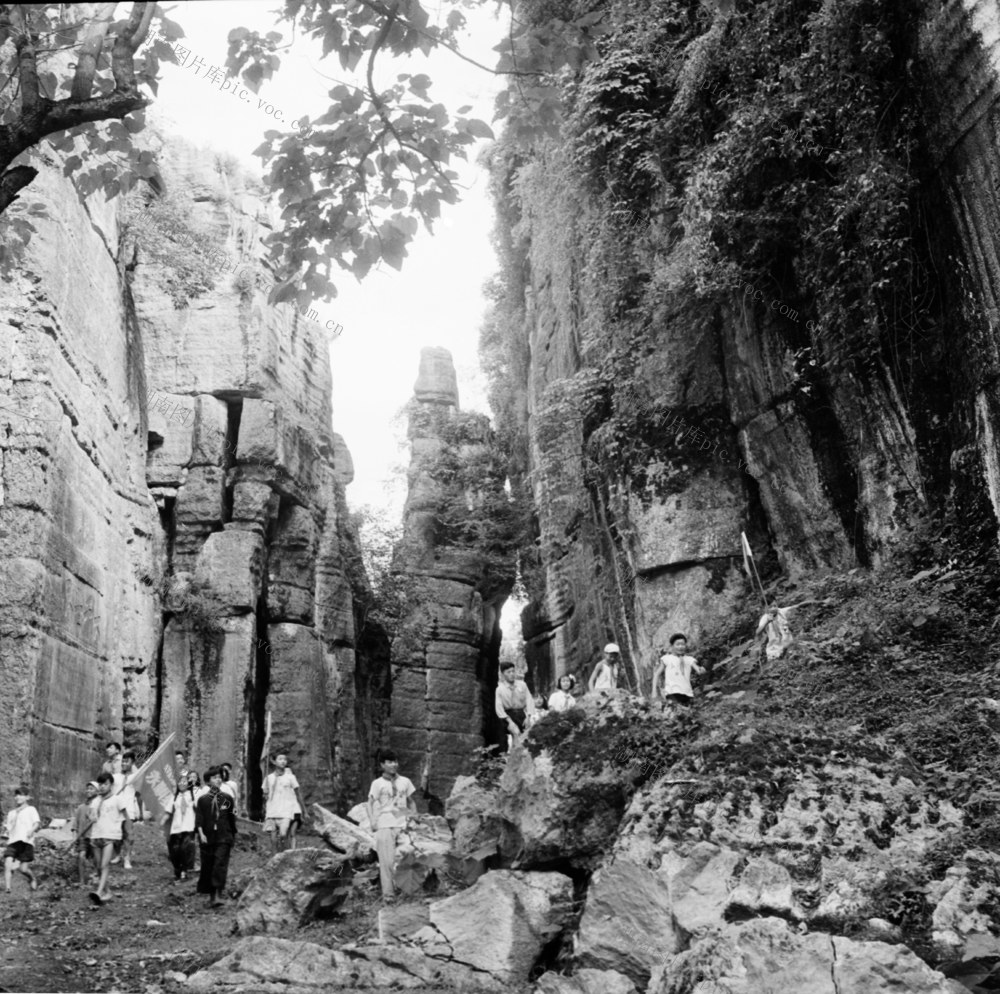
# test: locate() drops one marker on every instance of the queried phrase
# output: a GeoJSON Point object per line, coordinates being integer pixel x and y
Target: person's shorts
{"type": "Point", "coordinates": [679, 699]}
{"type": "Point", "coordinates": [84, 846]}
{"type": "Point", "coordinates": [281, 824]}
{"type": "Point", "coordinates": [23, 852]}
{"type": "Point", "coordinates": [99, 844]}
{"type": "Point", "coordinates": [518, 716]}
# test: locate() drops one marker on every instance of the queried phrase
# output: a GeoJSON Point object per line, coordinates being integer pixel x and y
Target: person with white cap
{"type": "Point", "coordinates": [605, 675]}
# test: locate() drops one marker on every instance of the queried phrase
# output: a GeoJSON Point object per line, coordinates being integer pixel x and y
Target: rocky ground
{"type": "Point", "coordinates": [152, 932]}
{"type": "Point", "coordinates": [825, 822]}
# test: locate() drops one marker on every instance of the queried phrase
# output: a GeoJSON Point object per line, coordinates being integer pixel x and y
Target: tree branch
{"type": "Point", "coordinates": [12, 182]}
{"type": "Point", "coordinates": [384, 11]}
{"type": "Point", "coordinates": [90, 51]}
{"type": "Point", "coordinates": [379, 105]}
{"type": "Point", "coordinates": [27, 67]}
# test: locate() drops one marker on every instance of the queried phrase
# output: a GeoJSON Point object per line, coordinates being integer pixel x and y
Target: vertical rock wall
{"type": "Point", "coordinates": [176, 521]}
{"type": "Point", "coordinates": [445, 656]}
{"type": "Point", "coordinates": [639, 530]}
{"type": "Point", "coordinates": [961, 43]}
{"type": "Point", "coordinates": [79, 630]}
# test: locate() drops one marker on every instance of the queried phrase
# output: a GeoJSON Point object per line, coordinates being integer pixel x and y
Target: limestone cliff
{"type": "Point", "coordinates": [730, 302]}
{"type": "Point", "coordinates": [445, 657]}
{"type": "Point", "coordinates": [173, 499]}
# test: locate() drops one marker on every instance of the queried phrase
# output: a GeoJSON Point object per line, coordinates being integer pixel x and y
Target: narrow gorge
{"type": "Point", "coordinates": [742, 354]}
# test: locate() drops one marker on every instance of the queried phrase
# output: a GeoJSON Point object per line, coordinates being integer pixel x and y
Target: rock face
{"type": "Point", "coordinates": [561, 797]}
{"type": "Point", "coordinates": [766, 957]}
{"type": "Point", "coordinates": [294, 888]}
{"type": "Point", "coordinates": [656, 422]}
{"type": "Point", "coordinates": [303, 965]}
{"type": "Point", "coordinates": [501, 923]}
{"type": "Point", "coordinates": [445, 658]}
{"type": "Point", "coordinates": [177, 551]}
{"type": "Point", "coordinates": [472, 812]}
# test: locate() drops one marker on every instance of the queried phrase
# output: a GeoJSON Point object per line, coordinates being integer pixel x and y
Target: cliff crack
{"type": "Point", "coordinates": [833, 967]}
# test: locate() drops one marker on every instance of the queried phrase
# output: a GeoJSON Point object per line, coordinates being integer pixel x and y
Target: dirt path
{"type": "Point", "coordinates": [55, 940]}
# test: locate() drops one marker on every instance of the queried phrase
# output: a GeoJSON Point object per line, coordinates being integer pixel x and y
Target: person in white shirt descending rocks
{"type": "Point", "coordinates": [514, 704]}
{"type": "Point", "coordinates": [675, 668]}
{"type": "Point", "coordinates": [390, 804]}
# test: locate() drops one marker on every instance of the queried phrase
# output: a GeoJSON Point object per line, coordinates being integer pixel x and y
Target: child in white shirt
{"type": "Point", "coordinates": [562, 699]}
{"type": "Point", "coordinates": [21, 825]}
{"type": "Point", "coordinates": [676, 668]}
{"type": "Point", "coordinates": [284, 803]}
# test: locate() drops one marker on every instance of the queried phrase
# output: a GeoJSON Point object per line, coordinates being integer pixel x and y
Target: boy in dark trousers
{"type": "Point", "coordinates": [215, 825]}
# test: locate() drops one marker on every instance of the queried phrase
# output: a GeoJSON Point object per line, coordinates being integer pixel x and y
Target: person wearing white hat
{"type": "Point", "coordinates": [605, 675]}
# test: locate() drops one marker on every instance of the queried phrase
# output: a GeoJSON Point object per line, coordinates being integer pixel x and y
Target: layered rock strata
{"type": "Point", "coordinates": [179, 545]}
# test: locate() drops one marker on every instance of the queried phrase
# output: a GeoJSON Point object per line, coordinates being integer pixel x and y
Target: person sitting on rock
{"type": "Point", "coordinates": [676, 669]}
{"type": "Point", "coordinates": [605, 675]}
{"type": "Point", "coordinates": [514, 703]}
{"type": "Point", "coordinates": [562, 699]}
{"type": "Point", "coordinates": [390, 804]}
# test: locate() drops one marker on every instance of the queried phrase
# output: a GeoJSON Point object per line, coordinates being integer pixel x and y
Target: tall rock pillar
{"type": "Point", "coordinates": [445, 653]}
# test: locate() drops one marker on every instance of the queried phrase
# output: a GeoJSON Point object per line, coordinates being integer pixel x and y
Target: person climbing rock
{"type": "Point", "coordinates": [675, 668]}
{"type": "Point", "coordinates": [605, 675]}
{"type": "Point", "coordinates": [514, 703]}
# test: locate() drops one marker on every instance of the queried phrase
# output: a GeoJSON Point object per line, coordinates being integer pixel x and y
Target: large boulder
{"type": "Point", "coordinates": [563, 793]}
{"type": "Point", "coordinates": [585, 982]}
{"type": "Point", "coordinates": [501, 924]}
{"type": "Point", "coordinates": [627, 924]}
{"type": "Point", "coordinates": [637, 917]}
{"type": "Point", "coordinates": [341, 835]}
{"type": "Point", "coordinates": [472, 812]}
{"type": "Point", "coordinates": [269, 963]}
{"type": "Point", "coordinates": [294, 888]}
{"type": "Point", "coordinates": [766, 956]}
{"type": "Point", "coordinates": [963, 926]}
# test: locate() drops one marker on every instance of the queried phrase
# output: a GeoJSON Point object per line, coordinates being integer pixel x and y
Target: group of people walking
{"type": "Point", "coordinates": [518, 709]}
{"type": "Point", "coordinates": [199, 823]}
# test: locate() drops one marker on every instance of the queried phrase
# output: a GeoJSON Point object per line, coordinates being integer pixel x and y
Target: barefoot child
{"type": "Point", "coordinates": [83, 822]}
{"type": "Point", "coordinates": [112, 814]}
{"type": "Point", "coordinates": [22, 823]}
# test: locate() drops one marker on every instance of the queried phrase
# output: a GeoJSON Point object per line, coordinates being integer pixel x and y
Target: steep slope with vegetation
{"type": "Point", "coordinates": [734, 297]}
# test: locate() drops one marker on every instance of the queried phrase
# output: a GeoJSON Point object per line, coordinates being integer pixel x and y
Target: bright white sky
{"type": "Point", "coordinates": [437, 298]}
